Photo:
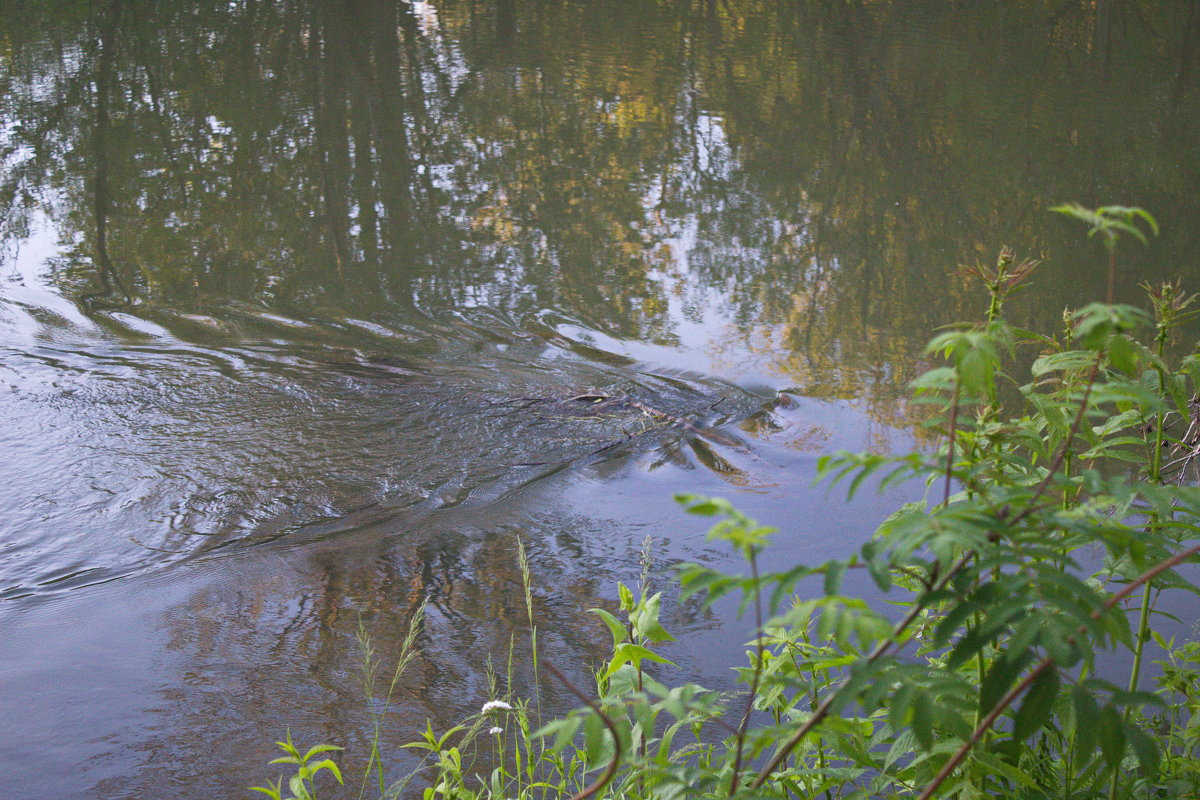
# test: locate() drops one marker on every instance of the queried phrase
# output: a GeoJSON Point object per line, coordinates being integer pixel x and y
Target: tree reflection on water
{"type": "Point", "coordinates": [822, 166]}
{"type": "Point", "coordinates": [514, 197]}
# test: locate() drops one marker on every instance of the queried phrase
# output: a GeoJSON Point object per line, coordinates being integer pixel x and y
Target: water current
{"type": "Point", "coordinates": [311, 310]}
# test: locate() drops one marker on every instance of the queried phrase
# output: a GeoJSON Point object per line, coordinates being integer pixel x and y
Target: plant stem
{"type": "Point", "coordinates": [950, 443]}
{"type": "Point", "coordinates": [880, 650]}
{"type": "Point", "coordinates": [758, 665]}
{"type": "Point", "coordinates": [1142, 635]}
{"type": "Point", "coordinates": [1112, 273]}
{"type": "Point", "coordinates": [1143, 627]}
{"type": "Point", "coordinates": [1047, 663]}
{"type": "Point", "coordinates": [984, 726]}
{"type": "Point", "coordinates": [603, 780]}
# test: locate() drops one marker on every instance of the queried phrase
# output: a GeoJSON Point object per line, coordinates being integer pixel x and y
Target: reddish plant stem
{"type": "Point", "coordinates": [758, 664]}
{"type": "Point", "coordinates": [1042, 666]}
{"type": "Point", "coordinates": [603, 780]}
{"type": "Point", "coordinates": [822, 711]}
{"type": "Point", "coordinates": [984, 726]}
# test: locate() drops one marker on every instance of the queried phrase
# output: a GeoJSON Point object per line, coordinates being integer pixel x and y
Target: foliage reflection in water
{"type": "Point", "coordinates": [268, 268]}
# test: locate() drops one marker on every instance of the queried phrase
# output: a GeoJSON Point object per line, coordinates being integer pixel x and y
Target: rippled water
{"type": "Point", "coordinates": [200, 508]}
{"type": "Point", "coordinates": [310, 311]}
{"type": "Point", "coordinates": [254, 427]}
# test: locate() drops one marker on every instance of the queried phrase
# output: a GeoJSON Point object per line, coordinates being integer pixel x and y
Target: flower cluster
{"type": "Point", "coordinates": [495, 705]}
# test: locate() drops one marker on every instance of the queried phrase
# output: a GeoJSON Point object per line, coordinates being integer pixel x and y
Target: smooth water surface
{"type": "Point", "coordinates": [309, 311]}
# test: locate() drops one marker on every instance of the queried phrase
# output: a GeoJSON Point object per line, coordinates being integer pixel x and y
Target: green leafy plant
{"type": "Point", "coordinates": [302, 784]}
{"type": "Point", "coordinates": [1177, 722]}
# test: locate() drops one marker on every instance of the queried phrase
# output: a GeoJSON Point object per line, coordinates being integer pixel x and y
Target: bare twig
{"type": "Point", "coordinates": [603, 780]}
{"type": "Point", "coordinates": [1150, 575]}
{"type": "Point", "coordinates": [758, 665]}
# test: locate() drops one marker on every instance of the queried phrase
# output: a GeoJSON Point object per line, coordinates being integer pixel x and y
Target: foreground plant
{"type": "Point", "coordinates": [1054, 500]}
{"type": "Point", "coordinates": [302, 784]}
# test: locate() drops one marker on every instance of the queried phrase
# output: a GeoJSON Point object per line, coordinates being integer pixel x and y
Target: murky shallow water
{"type": "Point", "coordinates": [295, 297]}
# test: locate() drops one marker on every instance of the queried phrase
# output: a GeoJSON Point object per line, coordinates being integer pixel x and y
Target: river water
{"type": "Point", "coordinates": [304, 306]}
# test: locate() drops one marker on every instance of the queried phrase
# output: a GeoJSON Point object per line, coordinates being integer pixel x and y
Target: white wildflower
{"type": "Point", "coordinates": [496, 730]}
{"type": "Point", "coordinates": [495, 705]}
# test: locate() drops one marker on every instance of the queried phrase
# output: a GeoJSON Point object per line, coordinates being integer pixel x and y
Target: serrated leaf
{"type": "Point", "coordinates": [1110, 732]}
{"type": "Point", "coordinates": [1038, 703]}
{"type": "Point", "coordinates": [593, 738]}
{"type": "Point", "coordinates": [1123, 354]}
{"type": "Point", "coordinates": [1000, 678]}
{"type": "Point", "coordinates": [645, 715]}
{"type": "Point", "coordinates": [1087, 715]}
{"type": "Point", "coordinates": [900, 706]}
{"type": "Point", "coordinates": [881, 573]}
{"type": "Point", "coordinates": [950, 623]}
{"type": "Point", "coordinates": [1058, 638]}
{"type": "Point", "coordinates": [834, 570]}
{"type": "Point", "coordinates": [1065, 361]}
{"type": "Point", "coordinates": [922, 720]}
{"type": "Point", "coordinates": [1145, 748]}
{"type": "Point", "coordinates": [1003, 768]}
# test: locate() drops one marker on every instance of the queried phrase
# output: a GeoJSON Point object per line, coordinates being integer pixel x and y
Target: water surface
{"type": "Point", "coordinates": [301, 302]}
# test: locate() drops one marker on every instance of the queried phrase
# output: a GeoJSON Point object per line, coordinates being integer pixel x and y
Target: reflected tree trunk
{"type": "Point", "coordinates": [101, 192]}
{"type": "Point", "coordinates": [1187, 57]}
{"type": "Point", "coordinates": [327, 92]}
{"type": "Point", "coordinates": [391, 132]}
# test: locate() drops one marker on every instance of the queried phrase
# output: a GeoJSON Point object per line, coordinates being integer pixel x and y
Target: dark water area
{"type": "Point", "coordinates": [301, 304]}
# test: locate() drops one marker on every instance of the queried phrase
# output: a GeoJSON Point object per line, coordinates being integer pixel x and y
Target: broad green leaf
{"type": "Point", "coordinates": [1038, 703]}
{"type": "Point", "coordinates": [594, 732]}
{"type": "Point", "coordinates": [563, 730]}
{"type": "Point", "coordinates": [1110, 732]}
{"type": "Point", "coordinates": [297, 787]}
{"type": "Point", "coordinates": [1065, 361]}
{"type": "Point", "coordinates": [630, 653]}
{"type": "Point", "coordinates": [619, 633]}
{"type": "Point", "coordinates": [327, 764]}
{"type": "Point", "coordinates": [834, 570]}
{"type": "Point", "coordinates": [320, 748]}
{"type": "Point", "coordinates": [1145, 748]}
{"type": "Point", "coordinates": [922, 719]}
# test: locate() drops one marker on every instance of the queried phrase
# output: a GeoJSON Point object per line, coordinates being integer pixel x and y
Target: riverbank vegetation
{"type": "Point", "coordinates": [1057, 510]}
